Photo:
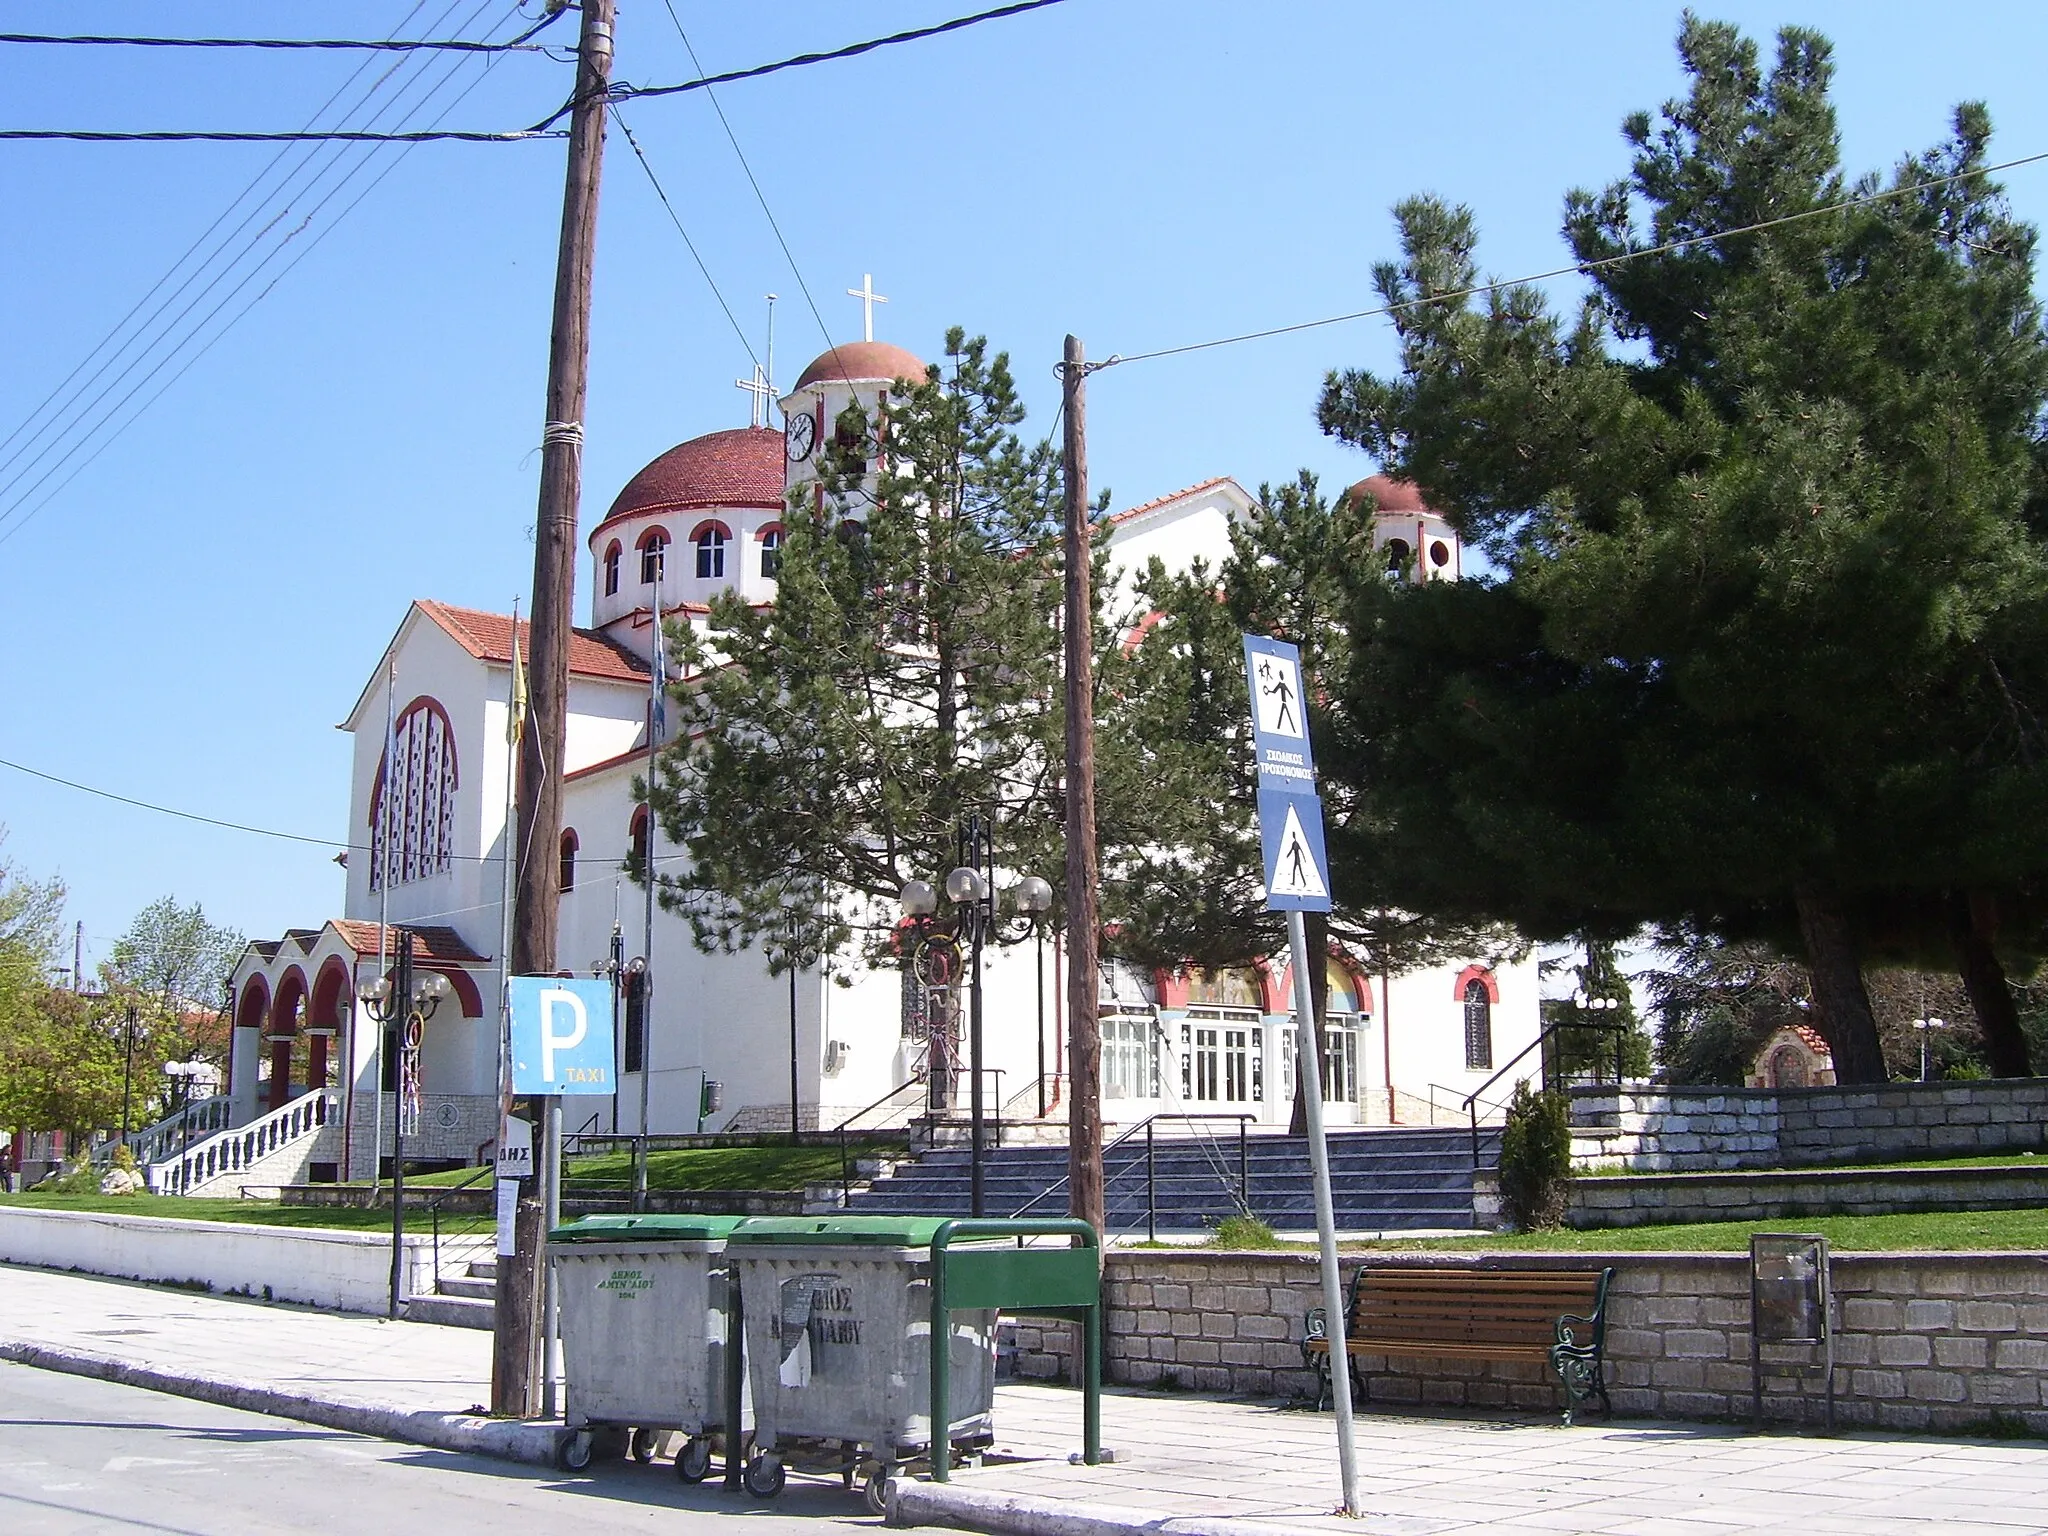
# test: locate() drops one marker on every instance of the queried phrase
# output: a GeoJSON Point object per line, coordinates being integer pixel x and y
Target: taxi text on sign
{"type": "Point", "coordinates": [1290, 813]}
{"type": "Point", "coordinates": [562, 1036]}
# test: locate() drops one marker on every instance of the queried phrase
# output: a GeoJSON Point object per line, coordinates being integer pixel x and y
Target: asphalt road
{"type": "Point", "coordinates": [78, 1455]}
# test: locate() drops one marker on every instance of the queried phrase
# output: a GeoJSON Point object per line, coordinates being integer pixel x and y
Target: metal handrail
{"type": "Point", "coordinates": [1146, 1125]}
{"type": "Point", "coordinates": [434, 1211]}
{"type": "Point", "coordinates": [1471, 1104]}
{"type": "Point", "coordinates": [845, 1173]}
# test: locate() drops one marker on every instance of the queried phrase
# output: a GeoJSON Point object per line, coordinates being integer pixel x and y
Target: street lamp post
{"type": "Point", "coordinates": [970, 887]}
{"type": "Point", "coordinates": [127, 1069]}
{"type": "Point", "coordinates": [1920, 1027]}
{"type": "Point", "coordinates": [402, 1000]}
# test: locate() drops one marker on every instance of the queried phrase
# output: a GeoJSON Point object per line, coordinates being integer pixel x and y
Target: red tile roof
{"type": "Point", "coordinates": [1159, 501]}
{"type": "Point", "coordinates": [738, 468]}
{"type": "Point", "coordinates": [442, 946]}
{"type": "Point", "coordinates": [864, 360]}
{"type": "Point", "coordinates": [488, 637]}
{"type": "Point", "coordinates": [1391, 494]}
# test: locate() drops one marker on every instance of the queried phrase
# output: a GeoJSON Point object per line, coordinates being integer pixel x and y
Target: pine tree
{"type": "Point", "coordinates": [1767, 512]}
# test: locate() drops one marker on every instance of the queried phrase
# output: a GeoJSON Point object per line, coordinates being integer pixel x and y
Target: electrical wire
{"type": "Point", "coordinates": [393, 45]}
{"type": "Point", "coordinates": [1576, 269]}
{"type": "Point", "coordinates": [205, 235]}
{"type": "Point", "coordinates": [851, 50]}
{"type": "Point", "coordinates": [332, 136]}
{"type": "Point", "coordinates": [187, 339]}
{"type": "Point", "coordinates": [675, 219]}
{"type": "Point", "coordinates": [759, 196]}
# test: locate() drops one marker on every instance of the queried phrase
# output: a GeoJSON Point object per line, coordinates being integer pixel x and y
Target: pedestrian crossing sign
{"type": "Point", "coordinates": [1297, 868]}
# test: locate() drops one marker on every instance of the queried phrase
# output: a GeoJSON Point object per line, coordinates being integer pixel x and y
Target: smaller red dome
{"type": "Point", "coordinates": [863, 361]}
{"type": "Point", "coordinates": [1391, 494]}
{"type": "Point", "coordinates": [741, 467]}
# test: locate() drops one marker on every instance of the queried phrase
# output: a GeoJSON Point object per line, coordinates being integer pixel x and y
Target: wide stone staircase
{"type": "Point", "coordinates": [1392, 1179]}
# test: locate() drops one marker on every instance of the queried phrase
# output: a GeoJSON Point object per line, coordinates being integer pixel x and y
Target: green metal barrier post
{"type": "Point", "coordinates": [1031, 1282]}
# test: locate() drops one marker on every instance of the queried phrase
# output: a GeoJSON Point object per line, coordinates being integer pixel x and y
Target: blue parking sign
{"type": "Point", "coordinates": [562, 1035]}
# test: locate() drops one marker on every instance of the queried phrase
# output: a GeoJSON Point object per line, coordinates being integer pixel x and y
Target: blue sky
{"type": "Point", "coordinates": [186, 620]}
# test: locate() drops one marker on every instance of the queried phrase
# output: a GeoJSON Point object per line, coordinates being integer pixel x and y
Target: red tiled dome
{"type": "Point", "coordinates": [1391, 494]}
{"type": "Point", "coordinates": [864, 360]}
{"type": "Point", "coordinates": [739, 468]}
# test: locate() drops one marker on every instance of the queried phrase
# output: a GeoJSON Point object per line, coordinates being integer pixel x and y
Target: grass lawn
{"type": "Point", "coordinates": [1936, 1230]}
{"type": "Point", "coordinates": [690, 1168]}
{"type": "Point", "coordinates": [265, 1213]}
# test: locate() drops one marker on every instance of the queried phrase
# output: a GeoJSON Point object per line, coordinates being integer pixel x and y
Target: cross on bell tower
{"type": "Point", "coordinates": [868, 300]}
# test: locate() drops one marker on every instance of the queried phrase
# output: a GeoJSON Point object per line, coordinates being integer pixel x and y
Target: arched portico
{"type": "Point", "coordinates": [282, 1033]}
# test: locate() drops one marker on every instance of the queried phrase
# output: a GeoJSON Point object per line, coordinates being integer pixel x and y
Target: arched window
{"type": "Point", "coordinates": [611, 569]}
{"type": "Point", "coordinates": [1478, 1027]}
{"type": "Point", "coordinates": [653, 549]}
{"type": "Point", "coordinates": [412, 805]}
{"type": "Point", "coordinates": [568, 859]}
{"type": "Point", "coordinates": [771, 551]}
{"type": "Point", "coordinates": [710, 541]}
{"type": "Point", "coordinates": [636, 839]}
{"type": "Point", "coordinates": [1397, 555]}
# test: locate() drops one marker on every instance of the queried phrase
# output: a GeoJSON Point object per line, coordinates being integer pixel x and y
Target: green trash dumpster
{"type": "Point", "coordinates": [840, 1350]}
{"type": "Point", "coordinates": [643, 1320]}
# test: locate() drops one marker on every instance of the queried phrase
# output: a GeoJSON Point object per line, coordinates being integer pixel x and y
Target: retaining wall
{"type": "Point", "coordinates": [1656, 1199]}
{"type": "Point", "coordinates": [1722, 1129]}
{"type": "Point", "coordinates": [1925, 1341]}
{"type": "Point", "coordinates": [342, 1271]}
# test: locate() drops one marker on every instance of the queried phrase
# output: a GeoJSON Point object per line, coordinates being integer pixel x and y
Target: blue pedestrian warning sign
{"type": "Point", "coordinates": [1272, 672]}
{"type": "Point", "coordinates": [1297, 868]}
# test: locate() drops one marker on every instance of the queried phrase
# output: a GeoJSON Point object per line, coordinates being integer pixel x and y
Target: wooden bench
{"type": "Point", "coordinates": [1547, 1316]}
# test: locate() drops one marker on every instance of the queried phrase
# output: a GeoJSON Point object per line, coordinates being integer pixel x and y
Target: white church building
{"type": "Point", "coordinates": [704, 516]}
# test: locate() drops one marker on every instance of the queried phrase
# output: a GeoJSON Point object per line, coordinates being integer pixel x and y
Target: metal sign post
{"type": "Point", "coordinates": [1297, 881]}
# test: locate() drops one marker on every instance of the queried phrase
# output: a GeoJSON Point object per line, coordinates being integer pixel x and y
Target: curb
{"type": "Point", "coordinates": [533, 1444]}
{"type": "Point", "coordinates": [1011, 1514]}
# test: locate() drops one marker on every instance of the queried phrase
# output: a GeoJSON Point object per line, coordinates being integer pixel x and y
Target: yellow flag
{"type": "Point", "coordinates": [515, 720]}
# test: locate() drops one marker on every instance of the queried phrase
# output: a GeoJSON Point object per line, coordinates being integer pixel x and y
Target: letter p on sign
{"type": "Point", "coordinates": [562, 1035]}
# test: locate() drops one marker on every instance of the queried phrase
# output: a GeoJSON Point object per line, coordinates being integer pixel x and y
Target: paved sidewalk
{"type": "Point", "coordinates": [1184, 1466]}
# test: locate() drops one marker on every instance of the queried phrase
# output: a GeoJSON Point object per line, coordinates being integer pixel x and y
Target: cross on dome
{"type": "Point", "coordinates": [868, 300]}
{"type": "Point", "coordinates": [759, 387]}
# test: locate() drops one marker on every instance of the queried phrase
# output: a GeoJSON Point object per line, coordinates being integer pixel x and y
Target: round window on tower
{"type": "Point", "coordinates": [1439, 553]}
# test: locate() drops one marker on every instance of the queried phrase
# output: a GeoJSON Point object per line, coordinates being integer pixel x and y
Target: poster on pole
{"type": "Point", "coordinates": [562, 1033]}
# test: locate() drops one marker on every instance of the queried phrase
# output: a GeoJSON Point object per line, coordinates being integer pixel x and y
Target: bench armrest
{"type": "Point", "coordinates": [1581, 1335]}
{"type": "Point", "coordinates": [1315, 1324]}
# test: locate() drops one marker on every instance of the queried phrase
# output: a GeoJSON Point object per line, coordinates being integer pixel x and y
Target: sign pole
{"type": "Point", "coordinates": [550, 1322]}
{"type": "Point", "coordinates": [1306, 1064]}
{"type": "Point", "coordinates": [1296, 868]}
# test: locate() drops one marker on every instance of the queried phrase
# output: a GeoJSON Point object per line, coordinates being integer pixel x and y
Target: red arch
{"type": "Point", "coordinates": [466, 992]}
{"type": "Point", "coordinates": [255, 1003]}
{"type": "Point", "coordinates": [428, 702]}
{"type": "Point", "coordinates": [650, 535]}
{"type": "Point", "coordinates": [283, 1030]}
{"type": "Point", "coordinates": [608, 567]}
{"type": "Point", "coordinates": [329, 988]}
{"type": "Point", "coordinates": [761, 533]}
{"type": "Point", "coordinates": [710, 525]}
{"type": "Point", "coordinates": [1480, 974]}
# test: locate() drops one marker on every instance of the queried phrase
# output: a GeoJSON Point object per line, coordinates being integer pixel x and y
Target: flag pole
{"type": "Point", "coordinates": [657, 712]}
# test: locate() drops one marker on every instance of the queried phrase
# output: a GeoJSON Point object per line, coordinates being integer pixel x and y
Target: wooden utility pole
{"type": "Point", "coordinates": [516, 1356]}
{"type": "Point", "coordinates": [1084, 1034]}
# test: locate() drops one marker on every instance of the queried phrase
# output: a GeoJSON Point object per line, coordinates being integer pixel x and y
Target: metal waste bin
{"type": "Point", "coordinates": [838, 1347]}
{"type": "Point", "coordinates": [643, 1308]}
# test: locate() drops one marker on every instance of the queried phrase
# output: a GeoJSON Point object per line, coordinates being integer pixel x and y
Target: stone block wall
{"type": "Point", "coordinates": [462, 1126]}
{"type": "Point", "coordinates": [1707, 1130]}
{"type": "Point", "coordinates": [1924, 1341]}
{"type": "Point", "coordinates": [1638, 1200]}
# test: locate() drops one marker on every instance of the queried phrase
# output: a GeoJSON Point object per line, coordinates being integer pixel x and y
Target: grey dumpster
{"type": "Point", "coordinates": [643, 1308]}
{"type": "Point", "coordinates": [838, 1347]}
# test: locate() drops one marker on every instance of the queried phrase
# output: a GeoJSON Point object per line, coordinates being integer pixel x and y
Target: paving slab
{"type": "Point", "coordinates": [1184, 1465]}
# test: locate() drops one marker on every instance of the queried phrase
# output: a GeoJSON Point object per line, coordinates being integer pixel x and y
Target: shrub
{"type": "Point", "coordinates": [1535, 1160]}
{"type": "Point", "coordinates": [1242, 1232]}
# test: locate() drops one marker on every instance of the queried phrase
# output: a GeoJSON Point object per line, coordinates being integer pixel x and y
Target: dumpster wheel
{"type": "Point", "coordinates": [693, 1461]}
{"type": "Point", "coordinates": [644, 1444]}
{"type": "Point", "coordinates": [765, 1475]}
{"type": "Point", "coordinates": [573, 1451]}
{"type": "Point", "coordinates": [876, 1489]}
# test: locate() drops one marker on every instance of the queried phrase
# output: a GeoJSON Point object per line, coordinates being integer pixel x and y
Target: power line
{"type": "Point", "coordinates": [393, 45]}
{"type": "Point", "coordinates": [187, 339]}
{"type": "Point", "coordinates": [759, 196]}
{"type": "Point", "coordinates": [1576, 269]}
{"type": "Point", "coordinates": [675, 219]}
{"type": "Point", "coordinates": [166, 810]}
{"type": "Point", "coordinates": [851, 50]}
{"type": "Point", "coordinates": [343, 136]}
